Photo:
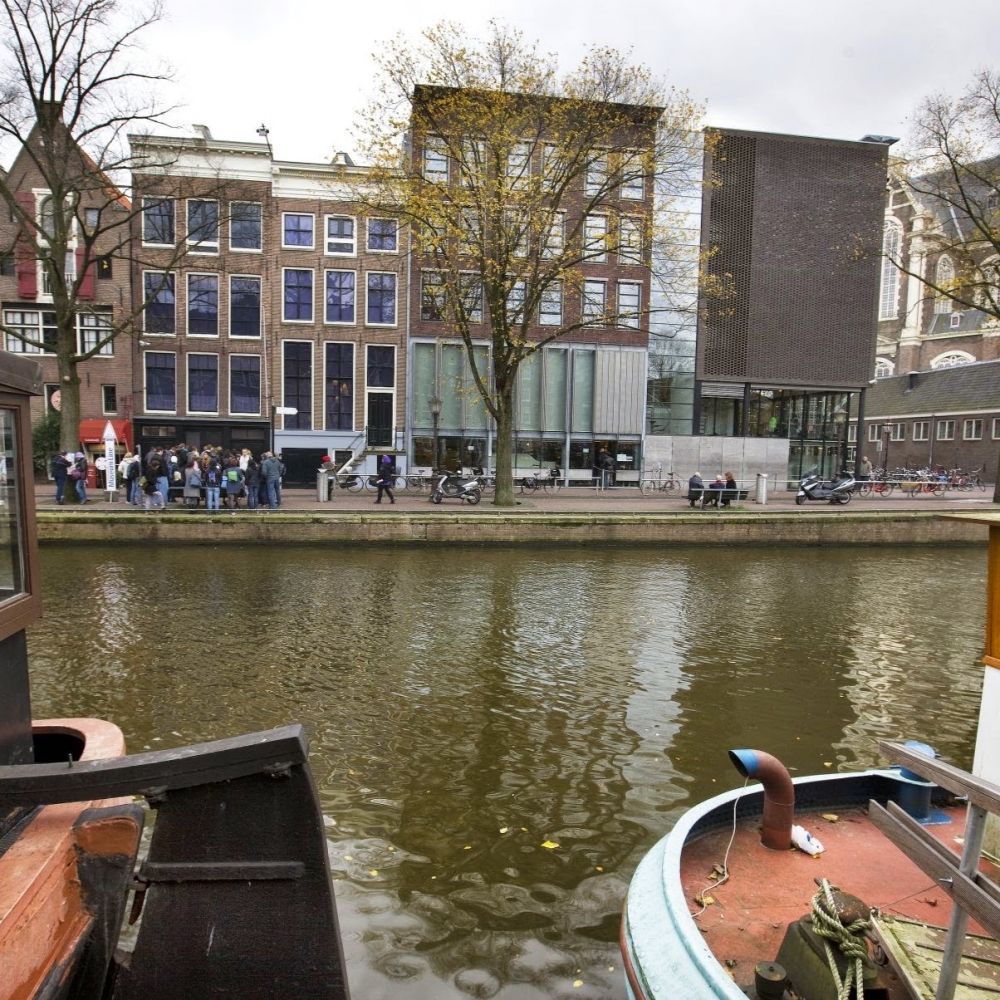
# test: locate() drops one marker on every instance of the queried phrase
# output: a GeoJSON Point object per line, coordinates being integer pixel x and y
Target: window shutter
{"type": "Point", "coordinates": [27, 268]}
{"type": "Point", "coordinates": [86, 289]}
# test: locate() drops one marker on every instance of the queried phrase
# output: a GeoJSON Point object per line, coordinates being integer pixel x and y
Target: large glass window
{"type": "Point", "coordinates": [244, 306]}
{"type": "Point", "coordinates": [203, 225]}
{"type": "Point", "coordinates": [158, 292]}
{"type": "Point", "coordinates": [244, 383]}
{"type": "Point", "coordinates": [203, 305]}
{"type": "Point", "coordinates": [339, 387]}
{"type": "Point", "coordinates": [891, 240]}
{"type": "Point", "coordinates": [91, 329]}
{"type": "Point", "coordinates": [39, 327]}
{"type": "Point", "coordinates": [203, 383]}
{"type": "Point", "coordinates": [340, 296]}
{"type": "Point", "coordinates": [529, 394]}
{"type": "Point", "coordinates": [161, 381]}
{"type": "Point", "coordinates": [298, 295]}
{"type": "Point", "coordinates": [550, 310]}
{"type": "Point", "coordinates": [595, 302]}
{"type": "Point", "coordinates": [297, 384]}
{"type": "Point", "coordinates": [435, 156]}
{"type": "Point", "coordinates": [245, 225]}
{"type": "Point", "coordinates": [433, 296]}
{"type": "Point", "coordinates": [297, 231]}
{"type": "Point", "coordinates": [341, 235]}
{"type": "Point", "coordinates": [158, 221]}
{"type": "Point", "coordinates": [381, 298]}
{"type": "Point", "coordinates": [583, 392]}
{"type": "Point", "coordinates": [556, 373]}
{"type": "Point", "coordinates": [595, 236]}
{"type": "Point", "coordinates": [629, 304]}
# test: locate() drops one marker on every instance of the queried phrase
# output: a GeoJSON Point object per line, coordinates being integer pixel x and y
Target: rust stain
{"type": "Point", "coordinates": [114, 835]}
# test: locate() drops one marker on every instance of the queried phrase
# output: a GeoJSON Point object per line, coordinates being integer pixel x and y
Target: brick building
{"type": "Point", "coordinates": [280, 326]}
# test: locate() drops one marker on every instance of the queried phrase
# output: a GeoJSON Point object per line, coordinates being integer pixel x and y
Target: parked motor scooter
{"type": "Point", "coordinates": [836, 490]}
{"type": "Point", "coordinates": [454, 484]}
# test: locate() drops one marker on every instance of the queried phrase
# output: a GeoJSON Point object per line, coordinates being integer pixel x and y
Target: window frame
{"type": "Point", "coordinates": [969, 424]}
{"type": "Point", "coordinates": [921, 430]}
{"type": "Point", "coordinates": [327, 252]}
{"type": "Point", "coordinates": [889, 284]}
{"type": "Point", "coordinates": [285, 245]}
{"type": "Point", "coordinates": [996, 428]}
{"type": "Point", "coordinates": [108, 349]}
{"type": "Point", "coordinates": [285, 271]}
{"type": "Point", "coordinates": [435, 149]}
{"type": "Point", "coordinates": [438, 298]}
{"type": "Point", "coordinates": [312, 383]}
{"type": "Point", "coordinates": [105, 386]}
{"type": "Point", "coordinates": [368, 234]}
{"type": "Point", "coordinates": [173, 220]}
{"type": "Point", "coordinates": [15, 346]}
{"type": "Point", "coordinates": [260, 306]}
{"type": "Point", "coordinates": [594, 178]}
{"type": "Point", "coordinates": [260, 227]}
{"type": "Point", "coordinates": [945, 430]}
{"type": "Point", "coordinates": [624, 251]}
{"type": "Point", "coordinates": [591, 241]}
{"type": "Point", "coordinates": [628, 322]}
{"type": "Point", "coordinates": [188, 275]}
{"type": "Point", "coordinates": [260, 384]}
{"type": "Point", "coordinates": [597, 319]}
{"type": "Point", "coordinates": [147, 302]}
{"type": "Point", "coordinates": [354, 308]}
{"type": "Point", "coordinates": [327, 344]}
{"type": "Point", "coordinates": [554, 292]}
{"type": "Point", "coordinates": [627, 188]}
{"type": "Point", "coordinates": [145, 373]}
{"type": "Point", "coordinates": [218, 387]}
{"type": "Point", "coordinates": [200, 246]}
{"type": "Point", "coordinates": [395, 300]}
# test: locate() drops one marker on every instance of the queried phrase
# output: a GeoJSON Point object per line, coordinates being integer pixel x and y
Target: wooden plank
{"type": "Point", "coordinates": [980, 792]}
{"type": "Point", "coordinates": [916, 843]}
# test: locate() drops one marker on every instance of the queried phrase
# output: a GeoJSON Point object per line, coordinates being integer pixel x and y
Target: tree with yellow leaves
{"type": "Point", "coordinates": [520, 183]}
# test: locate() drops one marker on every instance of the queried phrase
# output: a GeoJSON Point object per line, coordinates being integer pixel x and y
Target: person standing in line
{"type": "Point", "coordinates": [101, 465]}
{"type": "Point", "coordinates": [60, 470]}
{"type": "Point", "coordinates": [132, 476]}
{"type": "Point", "coordinates": [234, 483]}
{"type": "Point", "coordinates": [162, 475]}
{"type": "Point", "coordinates": [252, 482]}
{"type": "Point", "coordinates": [213, 484]}
{"type": "Point", "coordinates": [270, 471]}
{"type": "Point", "coordinates": [79, 473]}
{"type": "Point", "coordinates": [192, 483]}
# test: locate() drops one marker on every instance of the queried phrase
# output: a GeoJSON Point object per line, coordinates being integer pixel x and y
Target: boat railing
{"type": "Point", "coordinates": [972, 893]}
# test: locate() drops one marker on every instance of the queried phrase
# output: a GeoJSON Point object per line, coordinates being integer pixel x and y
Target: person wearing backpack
{"type": "Point", "coordinates": [213, 483]}
{"type": "Point", "coordinates": [251, 481]}
{"type": "Point", "coordinates": [234, 483]}
{"type": "Point", "coordinates": [79, 474]}
{"type": "Point", "coordinates": [270, 473]}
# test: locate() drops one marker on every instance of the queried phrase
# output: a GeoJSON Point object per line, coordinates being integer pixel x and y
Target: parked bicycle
{"type": "Point", "coordinates": [545, 479]}
{"type": "Point", "coordinates": [670, 485]}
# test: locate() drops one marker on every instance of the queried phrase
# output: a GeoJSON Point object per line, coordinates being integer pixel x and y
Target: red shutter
{"type": "Point", "coordinates": [27, 266]}
{"type": "Point", "coordinates": [86, 290]}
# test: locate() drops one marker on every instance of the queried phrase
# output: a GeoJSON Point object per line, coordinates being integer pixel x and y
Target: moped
{"type": "Point", "coordinates": [454, 484]}
{"type": "Point", "coordinates": [836, 490]}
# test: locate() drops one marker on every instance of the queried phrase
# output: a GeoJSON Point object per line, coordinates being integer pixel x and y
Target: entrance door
{"type": "Point", "coordinates": [380, 420]}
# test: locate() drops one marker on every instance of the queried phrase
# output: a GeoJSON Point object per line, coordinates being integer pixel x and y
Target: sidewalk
{"type": "Point", "coordinates": [577, 500]}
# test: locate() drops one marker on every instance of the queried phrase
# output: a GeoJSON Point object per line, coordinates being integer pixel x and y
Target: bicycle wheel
{"type": "Point", "coordinates": [980, 484]}
{"type": "Point", "coordinates": [647, 486]}
{"type": "Point", "coordinates": [551, 485]}
{"type": "Point", "coordinates": [354, 483]}
{"type": "Point", "coordinates": [370, 483]}
{"type": "Point", "coordinates": [884, 490]}
{"type": "Point", "coordinates": [416, 484]}
{"type": "Point", "coordinates": [671, 487]}
{"type": "Point", "coordinates": [529, 486]}
{"type": "Point", "coordinates": [864, 490]}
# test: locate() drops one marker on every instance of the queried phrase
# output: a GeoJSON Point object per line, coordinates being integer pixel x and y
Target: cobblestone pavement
{"type": "Point", "coordinates": [578, 500]}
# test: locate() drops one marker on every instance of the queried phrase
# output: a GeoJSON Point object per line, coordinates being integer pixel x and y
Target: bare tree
{"type": "Point", "coordinates": [503, 169]}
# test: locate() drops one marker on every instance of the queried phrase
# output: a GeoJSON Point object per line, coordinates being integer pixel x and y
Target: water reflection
{"type": "Point", "coordinates": [499, 736]}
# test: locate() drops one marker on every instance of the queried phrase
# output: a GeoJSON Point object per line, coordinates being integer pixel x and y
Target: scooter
{"type": "Point", "coordinates": [454, 484]}
{"type": "Point", "coordinates": [836, 490]}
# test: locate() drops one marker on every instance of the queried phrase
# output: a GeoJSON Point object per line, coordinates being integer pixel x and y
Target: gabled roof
{"type": "Point", "coordinates": [961, 389]}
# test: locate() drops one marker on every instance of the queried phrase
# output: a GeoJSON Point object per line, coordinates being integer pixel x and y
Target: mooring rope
{"type": "Point", "coordinates": [850, 941]}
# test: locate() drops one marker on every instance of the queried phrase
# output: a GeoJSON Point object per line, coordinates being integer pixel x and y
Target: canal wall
{"type": "Point", "coordinates": [465, 527]}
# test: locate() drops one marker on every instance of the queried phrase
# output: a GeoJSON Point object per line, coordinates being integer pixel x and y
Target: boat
{"type": "Point", "coordinates": [231, 894]}
{"type": "Point", "coordinates": [822, 887]}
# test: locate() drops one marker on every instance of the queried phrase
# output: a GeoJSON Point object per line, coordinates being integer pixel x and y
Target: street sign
{"type": "Point", "coordinates": [111, 464]}
{"type": "Point", "coordinates": [285, 411]}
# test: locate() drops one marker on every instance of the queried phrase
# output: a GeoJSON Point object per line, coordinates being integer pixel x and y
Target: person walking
{"type": "Point", "coordinates": [79, 473]}
{"type": "Point", "coordinates": [60, 470]}
{"type": "Point", "coordinates": [384, 483]}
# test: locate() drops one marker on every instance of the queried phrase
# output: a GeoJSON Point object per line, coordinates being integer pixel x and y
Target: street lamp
{"type": "Point", "coordinates": [435, 404]}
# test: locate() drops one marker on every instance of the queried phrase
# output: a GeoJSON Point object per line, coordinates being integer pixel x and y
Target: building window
{"type": "Point", "coordinates": [996, 428]}
{"type": "Point", "coordinates": [91, 219]}
{"type": "Point", "coordinates": [8, 266]}
{"type": "Point", "coordinates": [952, 359]}
{"type": "Point", "coordinates": [158, 221]}
{"type": "Point", "coordinates": [297, 384]}
{"type": "Point", "coordinates": [897, 432]}
{"type": "Point", "coordinates": [629, 304]}
{"type": "Point", "coordinates": [470, 290]}
{"type": "Point", "coordinates": [383, 235]}
{"type": "Point", "coordinates": [298, 295]}
{"type": "Point", "coordinates": [555, 238]}
{"type": "Point", "coordinates": [109, 399]}
{"type": "Point", "coordinates": [203, 226]}
{"type": "Point", "coordinates": [161, 381]}
{"type": "Point", "coordinates": [37, 326]}
{"type": "Point", "coordinates": [921, 430]}
{"type": "Point", "coordinates": [158, 293]}
{"type": "Point", "coordinates": [944, 278]}
{"type": "Point", "coordinates": [203, 305]}
{"type": "Point", "coordinates": [595, 237]}
{"type": "Point", "coordinates": [341, 236]}
{"type": "Point", "coordinates": [381, 309]}
{"type": "Point", "coordinates": [435, 156]}
{"type": "Point", "coordinates": [91, 329]}
{"type": "Point", "coordinates": [245, 229]}
{"type": "Point", "coordinates": [519, 164]}
{"type": "Point", "coordinates": [244, 306]}
{"type": "Point", "coordinates": [339, 387]}
{"type": "Point", "coordinates": [595, 295]}
{"type": "Point", "coordinates": [381, 367]}
{"type": "Point", "coordinates": [972, 430]}
{"type": "Point", "coordinates": [470, 231]}
{"type": "Point", "coordinates": [433, 297]}
{"type": "Point", "coordinates": [874, 432]}
{"type": "Point", "coordinates": [955, 321]}
{"type": "Point", "coordinates": [203, 383]}
{"type": "Point", "coordinates": [945, 430]}
{"type": "Point", "coordinates": [633, 174]}
{"type": "Point", "coordinates": [884, 368]}
{"type": "Point", "coordinates": [297, 231]}
{"type": "Point", "coordinates": [596, 176]}
{"type": "Point", "coordinates": [244, 384]}
{"type": "Point", "coordinates": [340, 296]}
{"type": "Point", "coordinates": [852, 433]}
{"type": "Point", "coordinates": [550, 305]}
{"type": "Point", "coordinates": [630, 240]}
{"type": "Point", "coordinates": [105, 269]}
{"type": "Point", "coordinates": [892, 237]}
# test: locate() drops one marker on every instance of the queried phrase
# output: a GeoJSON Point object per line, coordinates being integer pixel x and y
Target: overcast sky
{"type": "Point", "coordinates": [838, 69]}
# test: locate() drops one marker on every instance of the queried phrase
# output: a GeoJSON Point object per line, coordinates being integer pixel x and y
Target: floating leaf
{"type": "Point", "coordinates": [373, 871]}
{"type": "Point", "coordinates": [598, 868]}
{"type": "Point", "coordinates": [468, 847]}
{"type": "Point", "coordinates": [549, 844]}
{"type": "Point", "coordinates": [828, 763]}
{"type": "Point", "coordinates": [577, 983]}
{"type": "Point", "coordinates": [504, 829]}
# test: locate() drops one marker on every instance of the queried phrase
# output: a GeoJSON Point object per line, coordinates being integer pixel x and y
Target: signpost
{"type": "Point", "coordinates": [111, 470]}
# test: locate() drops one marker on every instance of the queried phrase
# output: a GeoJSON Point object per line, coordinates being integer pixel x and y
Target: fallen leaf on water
{"type": "Point", "coordinates": [577, 983]}
{"type": "Point", "coordinates": [549, 844]}
{"type": "Point", "coordinates": [830, 817]}
{"type": "Point", "coordinates": [347, 857]}
{"type": "Point", "coordinates": [598, 868]}
{"type": "Point", "coordinates": [373, 871]}
{"type": "Point", "coordinates": [468, 847]}
{"type": "Point", "coordinates": [504, 829]}
{"type": "Point", "coordinates": [828, 763]}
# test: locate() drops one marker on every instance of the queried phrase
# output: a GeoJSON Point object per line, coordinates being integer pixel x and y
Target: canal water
{"type": "Point", "coordinates": [498, 736]}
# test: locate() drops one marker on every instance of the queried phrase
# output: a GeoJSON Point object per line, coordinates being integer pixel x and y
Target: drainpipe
{"type": "Point", "coordinates": [779, 795]}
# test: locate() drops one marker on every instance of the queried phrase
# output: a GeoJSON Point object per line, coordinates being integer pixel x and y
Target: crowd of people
{"type": "Point", "coordinates": [220, 477]}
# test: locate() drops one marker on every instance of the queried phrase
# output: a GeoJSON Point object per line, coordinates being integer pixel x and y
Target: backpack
{"type": "Point", "coordinates": [132, 472]}
{"type": "Point", "coordinates": [194, 480]}
{"type": "Point", "coordinates": [213, 477]}
{"type": "Point", "coordinates": [233, 475]}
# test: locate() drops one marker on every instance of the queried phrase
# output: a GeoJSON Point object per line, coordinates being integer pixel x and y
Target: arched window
{"type": "Point", "coordinates": [884, 368]}
{"type": "Point", "coordinates": [952, 359]}
{"type": "Point", "coordinates": [892, 239]}
{"type": "Point", "coordinates": [945, 278]}
{"type": "Point", "coordinates": [989, 292]}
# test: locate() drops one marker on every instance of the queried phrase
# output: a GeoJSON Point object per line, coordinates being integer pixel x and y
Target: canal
{"type": "Point", "coordinates": [499, 735]}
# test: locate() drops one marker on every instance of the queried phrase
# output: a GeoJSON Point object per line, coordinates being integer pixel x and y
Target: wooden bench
{"type": "Point", "coordinates": [708, 497]}
{"type": "Point", "coordinates": [972, 893]}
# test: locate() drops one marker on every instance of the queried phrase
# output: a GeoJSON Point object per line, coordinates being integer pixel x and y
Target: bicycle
{"type": "Point", "coordinates": [670, 486]}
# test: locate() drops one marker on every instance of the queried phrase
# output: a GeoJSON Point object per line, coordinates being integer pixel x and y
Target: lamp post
{"type": "Point", "coordinates": [435, 404]}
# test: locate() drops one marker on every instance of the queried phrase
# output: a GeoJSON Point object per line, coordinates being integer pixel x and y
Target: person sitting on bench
{"type": "Point", "coordinates": [696, 489]}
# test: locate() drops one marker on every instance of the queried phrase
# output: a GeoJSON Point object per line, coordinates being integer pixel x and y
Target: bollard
{"type": "Point", "coordinates": [322, 486]}
{"type": "Point", "coordinates": [761, 495]}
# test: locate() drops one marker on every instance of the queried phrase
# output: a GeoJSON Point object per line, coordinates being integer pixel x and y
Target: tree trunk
{"type": "Point", "coordinates": [69, 419]}
{"type": "Point", "coordinates": [996, 483]}
{"type": "Point", "coordinates": [504, 494]}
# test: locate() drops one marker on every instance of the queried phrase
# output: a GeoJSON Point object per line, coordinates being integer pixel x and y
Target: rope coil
{"type": "Point", "coordinates": [850, 941]}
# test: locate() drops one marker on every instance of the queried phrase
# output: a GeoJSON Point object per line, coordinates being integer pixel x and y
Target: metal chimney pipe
{"type": "Point", "coordinates": [779, 795]}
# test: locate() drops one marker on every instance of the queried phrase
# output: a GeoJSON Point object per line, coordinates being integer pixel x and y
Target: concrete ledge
{"type": "Point", "coordinates": [466, 527]}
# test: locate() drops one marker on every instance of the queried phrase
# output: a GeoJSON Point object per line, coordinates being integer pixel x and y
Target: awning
{"type": "Point", "coordinates": [92, 432]}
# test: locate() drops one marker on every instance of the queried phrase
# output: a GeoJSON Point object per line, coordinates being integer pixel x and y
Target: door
{"type": "Point", "coordinates": [379, 421]}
